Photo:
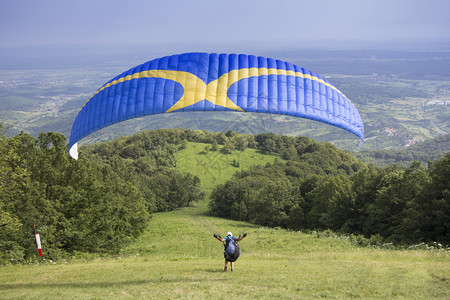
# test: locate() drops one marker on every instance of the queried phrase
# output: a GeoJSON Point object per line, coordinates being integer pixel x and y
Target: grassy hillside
{"type": "Point", "coordinates": [214, 167]}
{"type": "Point", "coordinates": [177, 257]}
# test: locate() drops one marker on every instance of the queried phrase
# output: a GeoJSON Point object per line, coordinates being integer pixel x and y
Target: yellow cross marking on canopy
{"type": "Point", "coordinates": [196, 90]}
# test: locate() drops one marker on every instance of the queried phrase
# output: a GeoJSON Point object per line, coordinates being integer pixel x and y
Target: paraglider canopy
{"type": "Point", "coordinates": [215, 82]}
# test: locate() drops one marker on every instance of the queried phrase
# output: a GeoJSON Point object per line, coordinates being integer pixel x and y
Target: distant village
{"type": "Point", "coordinates": [393, 132]}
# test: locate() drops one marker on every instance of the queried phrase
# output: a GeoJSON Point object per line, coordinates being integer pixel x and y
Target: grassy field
{"type": "Point", "coordinates": [178, 257]}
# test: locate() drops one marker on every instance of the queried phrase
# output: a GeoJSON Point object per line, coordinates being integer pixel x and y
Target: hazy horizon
{"type": "Point", "coordinates": [232, 26]}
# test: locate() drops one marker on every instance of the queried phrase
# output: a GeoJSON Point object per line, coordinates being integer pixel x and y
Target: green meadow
{"type": "Point", "coordinates": [177, 257]}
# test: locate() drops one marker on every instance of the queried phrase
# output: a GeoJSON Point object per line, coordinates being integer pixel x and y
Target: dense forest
{"type": "Point", "coordinates": [104, 200]}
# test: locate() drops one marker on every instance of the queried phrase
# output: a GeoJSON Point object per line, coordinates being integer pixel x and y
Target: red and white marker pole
{"type": "Point", "coordinates": [38, 243]}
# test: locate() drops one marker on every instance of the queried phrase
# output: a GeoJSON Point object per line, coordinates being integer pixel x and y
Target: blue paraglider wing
{"type": "Point", "coordinates": [215, 82]}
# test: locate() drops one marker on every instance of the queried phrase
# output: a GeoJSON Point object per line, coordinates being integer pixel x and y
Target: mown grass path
{"type": "Point", "coordinates": [177, 257]}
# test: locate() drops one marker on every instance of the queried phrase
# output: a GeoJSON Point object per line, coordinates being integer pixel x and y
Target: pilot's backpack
{"type": "Point", "coordinates": [232, 251]}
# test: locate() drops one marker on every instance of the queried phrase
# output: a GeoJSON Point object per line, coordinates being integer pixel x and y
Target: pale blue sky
{"type": "Point", "coordinates": [271, 23]}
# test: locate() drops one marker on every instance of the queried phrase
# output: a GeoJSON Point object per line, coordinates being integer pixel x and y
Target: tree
{"type": "Point", "coordinates": [290, 153]}
{"type": "Point", "coordinates": [269, 146]}
{"type": "Point", "coordinates": [384, 213]}
{"type": "Point", "coordinates": [415, 179]}
{"type": "Point", "coordinates": [228, 148]}
{"type": "Point", "coordinates": [215, 146]}
{"type": "Point", "coordinates": [365, 184]}
{"type": "Point", "coordinates": [271, 205]}
{"type": "Point", "coordinates": [296, 219]}
{"type": "Point", "coordinates": [235, 163]}
{"type": "Point", "coordinates": [239, 211]}
{"type": "Point", "coordinates": [241, 142]}
{"type": "Point", "coordinates": [438, 209]}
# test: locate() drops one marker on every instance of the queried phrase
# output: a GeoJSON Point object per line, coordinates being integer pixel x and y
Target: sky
{"type": "Point", "coordinates": [265, 23]}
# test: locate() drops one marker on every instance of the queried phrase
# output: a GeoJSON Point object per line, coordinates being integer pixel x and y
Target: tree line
{"type": "Point", "coordinates": [393, 204]}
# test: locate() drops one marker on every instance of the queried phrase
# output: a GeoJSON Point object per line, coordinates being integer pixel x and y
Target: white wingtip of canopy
{"type": "Point", "coordinates": [74, 151]}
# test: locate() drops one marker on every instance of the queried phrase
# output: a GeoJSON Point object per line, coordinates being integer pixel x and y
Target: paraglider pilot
{"type": "Point", "coordinates": [232, 251]}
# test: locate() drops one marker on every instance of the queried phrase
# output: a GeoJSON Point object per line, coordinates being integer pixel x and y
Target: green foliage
{"type": "Point", "coordinates": [438, 209]}
{"type": "Point", "coordinates": [332, 203]}
{"type": "Point", "coordinates": [173, 189]}
{"type": "Point", "coordinates": [75, 205]}
{"type": "Point", "coordinates": [270, 205]}
{"type": "Point", "coordinates": [215, 146]}
{"type": "Point", "coordinates": [238, 211]}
